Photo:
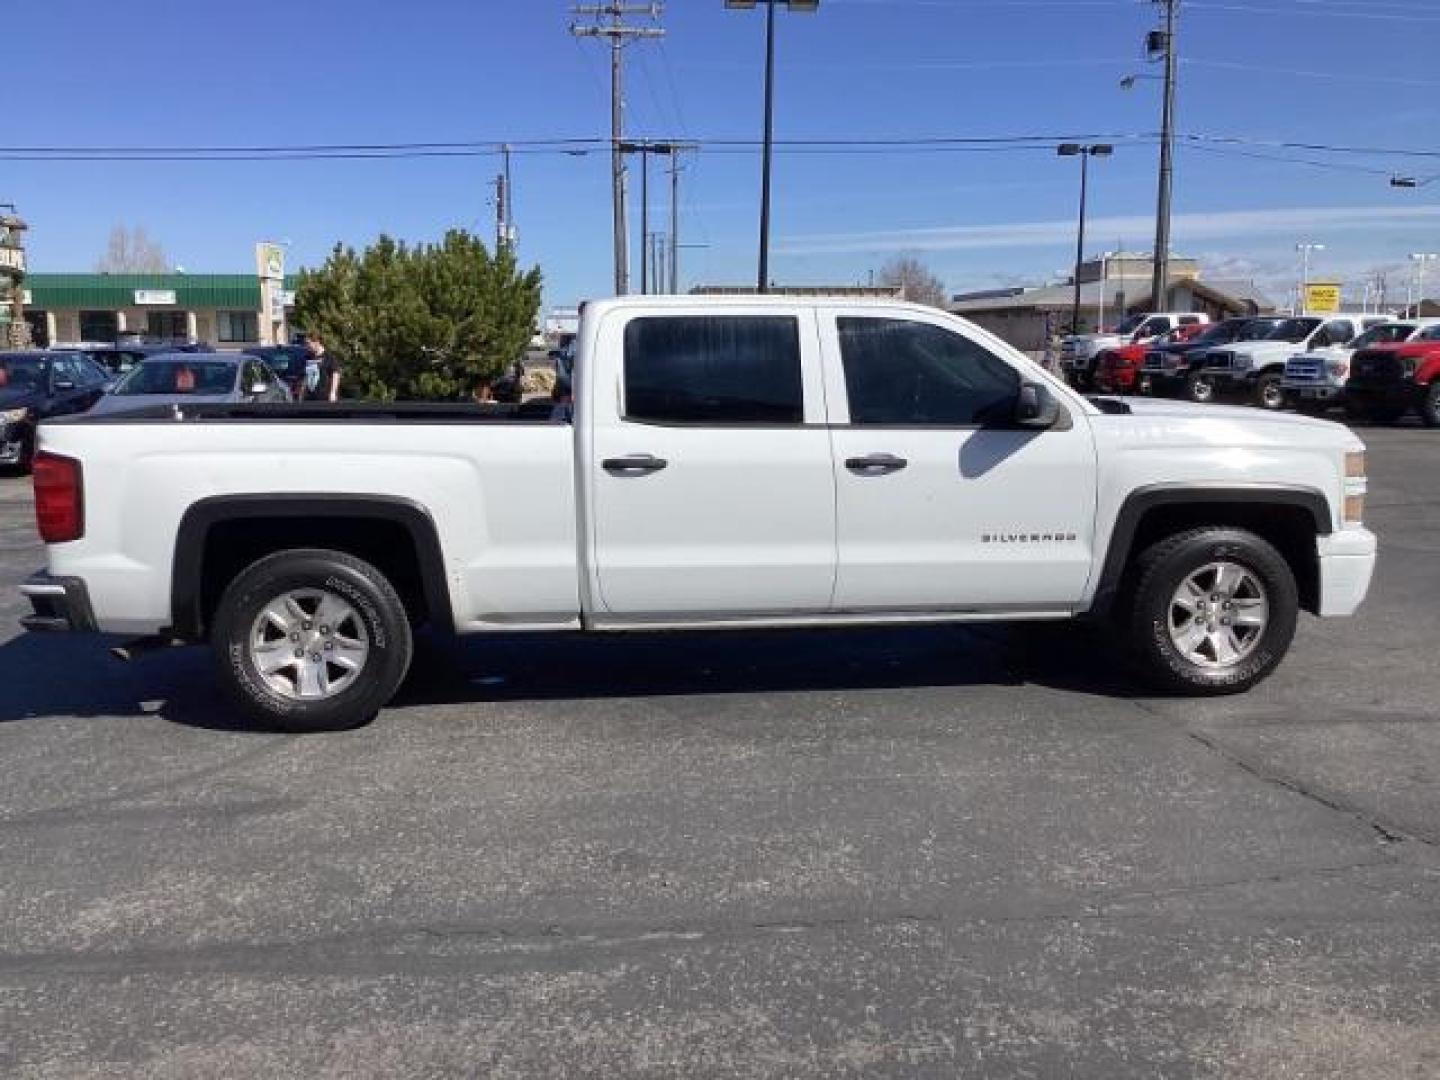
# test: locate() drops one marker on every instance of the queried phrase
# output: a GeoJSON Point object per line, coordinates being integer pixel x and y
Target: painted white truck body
{"type": "Point", "coordinates": [746, 523]}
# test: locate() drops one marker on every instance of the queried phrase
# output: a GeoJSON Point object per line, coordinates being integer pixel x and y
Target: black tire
{"type": "Point", "coordinates": [1430, 405]}
{"type": "Point", "coordinates": [1268, 394]}
{"type": "Point", "coordinates": [1162, 569]}
{"type": "Point", "coordinates": [1199, 388]}
{"type": "Point", "coordinates": [374, 607]}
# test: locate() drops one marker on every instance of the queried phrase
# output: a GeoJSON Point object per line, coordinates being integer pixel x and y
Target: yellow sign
{"type": "Point", "coordinates": [1322, 297]}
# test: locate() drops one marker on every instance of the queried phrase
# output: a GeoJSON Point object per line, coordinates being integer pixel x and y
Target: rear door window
{"type": "Point", "coordinates": [713, 369]}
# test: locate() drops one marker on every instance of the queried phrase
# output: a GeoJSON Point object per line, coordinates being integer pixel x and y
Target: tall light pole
{"type": "Point", "coordinates": [809, 6]}
{"type": "Point", "coordinates": [1165, 39]}
{"type": "Point", "coordinates": [1303, 299]}
{"type": "Point", "coordinates": [1421, 259]}
{"type": "Point", "coordinates": [1084, 151]}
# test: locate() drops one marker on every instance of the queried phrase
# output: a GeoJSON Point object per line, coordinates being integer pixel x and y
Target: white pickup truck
{"type": "Point", "coordinates": [1315, 380]}
{"type": "Point", "coordinates": [732, 462]}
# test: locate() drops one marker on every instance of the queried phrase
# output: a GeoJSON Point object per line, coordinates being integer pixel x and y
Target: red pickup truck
{"type": "Point", "coordinates": [1387, 381]}
{"type": "Point", "coordinates": [1117, 371]}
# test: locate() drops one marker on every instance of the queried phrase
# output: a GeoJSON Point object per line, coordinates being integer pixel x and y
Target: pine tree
{"type": "Point", "coordinates": [421, 323]}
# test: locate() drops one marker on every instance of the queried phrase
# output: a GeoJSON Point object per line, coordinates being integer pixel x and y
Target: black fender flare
{"type": "Point", "coordinates": [1144, 499]}
{"type": "Point", "coordinates": [187, 566]}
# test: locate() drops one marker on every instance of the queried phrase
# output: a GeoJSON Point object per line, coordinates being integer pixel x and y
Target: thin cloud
{"type": "Point", "coordinates": [1186, 227]}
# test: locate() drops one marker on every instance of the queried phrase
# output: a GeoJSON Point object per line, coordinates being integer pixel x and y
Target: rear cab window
{"type": "Point", "coordinates": [720, 370]}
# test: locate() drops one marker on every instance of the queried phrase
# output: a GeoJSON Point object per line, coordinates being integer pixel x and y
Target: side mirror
{"type": "Point", "coordinates": [1036, 408]}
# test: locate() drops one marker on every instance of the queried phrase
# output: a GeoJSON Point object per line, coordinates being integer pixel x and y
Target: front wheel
{"type": "Point", "coordinates": [1268, 393]}
{"type": "Point", "coordinates": [1200, 388]}
{"type": "Point", "coordinates": [1212, 611]}
{"type": "Point", "coordinates": [311, 640]}
{"type": "Point", "coordinates": [1430, 406]}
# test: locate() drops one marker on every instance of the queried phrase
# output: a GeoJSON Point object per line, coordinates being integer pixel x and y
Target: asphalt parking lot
{"type": "Point", "coordinates": [927, 852]}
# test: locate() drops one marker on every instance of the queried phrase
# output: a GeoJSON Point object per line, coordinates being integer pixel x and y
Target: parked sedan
{"type": "Point", "coordinates": [35, 386]}
{"type": "Point", "coordinates": [194, 379]}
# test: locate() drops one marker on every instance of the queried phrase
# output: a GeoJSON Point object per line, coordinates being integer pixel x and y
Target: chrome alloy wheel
{"type": "Point", "coordinates": [1218, 615]}
{"type": "Point", "coordinates": [309, 644]}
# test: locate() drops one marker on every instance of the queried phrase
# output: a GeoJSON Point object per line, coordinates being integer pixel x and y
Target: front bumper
{"type": "Point", "coordinates": [1347, 563]}
{"type": "Point", "coordinates": [1313, 391]}
{"type": "Point", "coordinates": [1385, 395]}
{"type": "Point", "coordinates": [59, 603]}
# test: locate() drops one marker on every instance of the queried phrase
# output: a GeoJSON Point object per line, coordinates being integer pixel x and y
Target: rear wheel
{"type": "Point", "coordinates": [1430, 406]}
{"type": "Point", "coordinates": [1212, 611]}
{"type": "Point", "coordinates": [1200, 388]}
{"type": "Point", "coordinates": [311, 640]}
{"type": "Point", "coordinates": [1268, 392]}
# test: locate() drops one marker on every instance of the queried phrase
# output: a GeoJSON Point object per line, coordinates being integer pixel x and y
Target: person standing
{"type": "Point", "coordinates": [326, 385]}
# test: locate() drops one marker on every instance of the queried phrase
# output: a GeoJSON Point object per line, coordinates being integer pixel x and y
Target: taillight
{"type": "Point", "coordinates": [59, 498]}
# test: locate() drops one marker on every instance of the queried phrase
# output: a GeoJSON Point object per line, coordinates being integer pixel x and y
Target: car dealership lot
{"type": "Point", "coordinates": [870, 852]}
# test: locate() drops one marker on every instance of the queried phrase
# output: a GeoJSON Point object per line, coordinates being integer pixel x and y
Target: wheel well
{"type": "Point", "coordinates": [1289, 528]}
{"type": "Point", "coordinates": [214, 546]}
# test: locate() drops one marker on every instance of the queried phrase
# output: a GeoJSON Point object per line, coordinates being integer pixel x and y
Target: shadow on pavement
{"type": "Point", "coordinates": [63, 675]}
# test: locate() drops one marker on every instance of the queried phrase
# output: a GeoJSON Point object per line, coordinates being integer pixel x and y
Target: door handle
{"type": "Point", "coordinates": [876, 464]}
{"type": "Point", "coordinates": [633, 464]}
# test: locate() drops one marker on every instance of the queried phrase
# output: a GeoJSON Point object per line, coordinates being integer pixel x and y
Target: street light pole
{"type": "Point", "coordinates": [1160, 284]}
{"type": "Point", "coordinates": [1085, 153]}
{"type": "Point", "coordinates": [763, 274]}
{"type": "Point", "coordinates": [1421, 259]}
{"type": "Point", "coordinates": [1303, 300]}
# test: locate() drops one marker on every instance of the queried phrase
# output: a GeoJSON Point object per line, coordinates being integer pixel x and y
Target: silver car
{"type": "Point", "coordinates": [193, 379]}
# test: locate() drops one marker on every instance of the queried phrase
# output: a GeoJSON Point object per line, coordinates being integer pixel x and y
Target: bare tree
{"type": "Point", "coordinates": [131, 251]}
{"type": "Point", "coordinates": [916, 281]}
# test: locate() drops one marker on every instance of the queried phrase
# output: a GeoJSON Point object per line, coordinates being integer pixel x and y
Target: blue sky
{"type": "Point", "coordinates": [267, 72]}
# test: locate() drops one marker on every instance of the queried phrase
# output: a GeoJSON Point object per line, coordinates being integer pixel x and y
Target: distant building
{"type": "Point", "coordinates": [1110, 288]}
{"type": "Point", "coordinates": [219, 309]}
{"type": "Point", "coordinates": [884, 292]}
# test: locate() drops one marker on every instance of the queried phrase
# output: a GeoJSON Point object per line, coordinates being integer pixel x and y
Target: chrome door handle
{"type": "Point", "coordinates": [876, 464]}
{"type": "Point", "coordinates": [633, 464]}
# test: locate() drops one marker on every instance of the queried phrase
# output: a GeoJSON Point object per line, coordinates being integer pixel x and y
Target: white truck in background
{"type": "Point", "coordinates": [732, 462]}
{"type": "Point", "coordinates": [1079, 352]}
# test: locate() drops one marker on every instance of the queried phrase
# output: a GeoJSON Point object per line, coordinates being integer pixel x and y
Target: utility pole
{"type": "Point", "coordinates": [674, 222]}
{"type": "Point", "coordinates": [655, 277]}
{"type": "Point", "coordinates": [1161, 280]}
{"type": "Point", "coordinates": [618, 34]}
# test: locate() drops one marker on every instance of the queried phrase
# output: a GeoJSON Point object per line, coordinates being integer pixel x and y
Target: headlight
{"type": "Point", "coordinates": [13, 416]}
{"type": "Point", "coordinates": [1338, 368]}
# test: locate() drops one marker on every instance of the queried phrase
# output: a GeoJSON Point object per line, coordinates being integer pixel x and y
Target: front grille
{"type": "Point", "coordinates": [1305, 370]}
{"type": "Point", "coordinates": [1378, 366]}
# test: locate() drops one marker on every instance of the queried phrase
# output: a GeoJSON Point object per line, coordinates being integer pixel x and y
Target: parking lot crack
{"type": "Point", "coordinates": [1386, 832]}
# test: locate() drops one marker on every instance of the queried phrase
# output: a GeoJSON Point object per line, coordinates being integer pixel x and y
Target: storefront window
{"type": "Point", "coordinates": [238, 326]}
{"type": "Point", "coordinates": [99, 326]}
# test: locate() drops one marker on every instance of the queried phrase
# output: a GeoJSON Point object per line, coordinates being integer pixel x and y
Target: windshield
{"type": "Point", "coordinates": [22, 372]}
{"type": "Point", "coordinates": [206, 377]}
{"type": "Point", "coordinates": [1431, 333]}
{"type": "Point", "coordinates": [1292, 330]}
{"type": "Point", "coordinates": [1384, 334]}
{"type": "Point", "coordinates": [287, 362]}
